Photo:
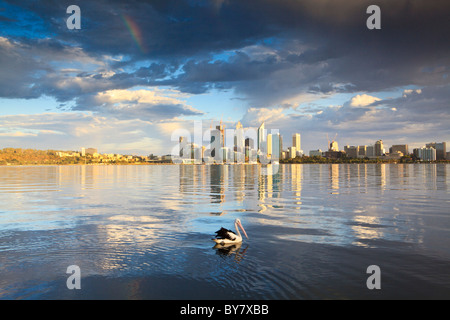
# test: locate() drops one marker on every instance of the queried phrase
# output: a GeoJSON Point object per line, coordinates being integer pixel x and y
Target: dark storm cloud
{"type": "Point", "coordinates": [318, 46]}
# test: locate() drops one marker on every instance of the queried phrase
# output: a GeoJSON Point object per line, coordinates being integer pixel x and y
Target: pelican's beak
{"type": "Point", "coordinates": [242, 228]}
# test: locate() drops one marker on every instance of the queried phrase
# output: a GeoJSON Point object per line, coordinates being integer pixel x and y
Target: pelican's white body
{"type": "Point", "coordinates": [237, 239]}
{"type": "Point", "coordinates": [231, 237]}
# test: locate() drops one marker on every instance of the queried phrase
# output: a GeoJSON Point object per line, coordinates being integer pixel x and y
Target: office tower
{"type": "Point", "coordinates": [379, 148]}
{"type": "Point", "coordinates": [362, 151]}
{"type": "Point", "coordinates": [249, 147]}
{"type": "Point", "coordinates": [83, 152]}
{"type": "Point", "coordinates": [351, 151]}
{"type": "Point", "coordinates": [425, 153]}
{"type": "Point", "coordinates": [269, 145]}
{"type": "Point", "coordinates": [292, 152]}
{"type": "Point", "coordinates": [216, 143]}
{"type": "Point", "coordinates": [261, 137]}
{"type": "Point", "coordinates": [370, 151]}
{"type": "Point", "coordinates": [296, 141]}
{"type": "Point", "coordinates": [403, 148]}
{"type": "Point", "coordinates": [334, 146]}
{"type": "Point", "coordinates": [239, 141]}
{"type": "Point", "coordinates": [249, 143]}
{"type": "Point", "coordinates": [441, 149]}
{"type": "Point", "coordinates": [276, 146]}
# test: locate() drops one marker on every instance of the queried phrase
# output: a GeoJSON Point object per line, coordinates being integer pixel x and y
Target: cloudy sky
{"type": "Point", "coordinates": [138, 70]}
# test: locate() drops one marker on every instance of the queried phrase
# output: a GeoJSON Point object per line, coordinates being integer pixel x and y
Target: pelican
{"type": "Point", "coordinates": [226, 237]}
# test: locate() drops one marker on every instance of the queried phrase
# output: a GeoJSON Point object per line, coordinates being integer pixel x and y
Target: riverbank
{"type": "Point", "coordinates": [22, 157]}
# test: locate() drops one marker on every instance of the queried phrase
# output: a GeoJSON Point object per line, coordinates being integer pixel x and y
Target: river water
{"type": "Point", "coordinates": [144, 232]}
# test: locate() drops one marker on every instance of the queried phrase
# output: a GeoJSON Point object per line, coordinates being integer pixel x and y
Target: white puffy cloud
{"type": "Point", "coordinates": [363, 100]}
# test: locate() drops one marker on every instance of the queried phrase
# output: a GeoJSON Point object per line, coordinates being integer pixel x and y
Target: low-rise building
{"type": "Point", "coordinates": [315, 153]}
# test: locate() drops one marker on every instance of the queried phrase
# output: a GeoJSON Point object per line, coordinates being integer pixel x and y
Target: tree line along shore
{"type": "Point", "coordinates": [18, 156]}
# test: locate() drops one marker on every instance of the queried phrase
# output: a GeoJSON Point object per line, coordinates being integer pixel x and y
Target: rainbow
{"type": "Point", "coordinates": [135, 32]}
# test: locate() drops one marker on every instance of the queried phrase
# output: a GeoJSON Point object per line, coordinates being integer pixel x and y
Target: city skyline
{"type": "Point", "coordinates": [134, 74]}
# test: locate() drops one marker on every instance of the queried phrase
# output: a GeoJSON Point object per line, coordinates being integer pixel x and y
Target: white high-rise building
{"type": "Point", "coordinates": [296, 141]}
{"type": "Point", "coordinates": [261, 138]}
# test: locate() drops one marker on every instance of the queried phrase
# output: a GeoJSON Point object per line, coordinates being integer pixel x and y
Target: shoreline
{"type": "Point", "coordinates": [204, 164]}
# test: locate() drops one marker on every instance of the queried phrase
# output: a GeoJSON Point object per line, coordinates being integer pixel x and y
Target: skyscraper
{"type": "Point", "coordinates": [269, 145]}
{"type": "Point", "coordinates": [217, 143]}
{"type": "Point", "coordinates": [239, 141]}
{"type": "Point", "coordinates": [441, 149]}
{"type": "Point", "coordinates": [261, 138]}
{"type": "Point", "coordinates": [296, 141]}
{"type": "Point", "coordinates": [276, 146]}
{"type": "Point", "coordinates": [379, 148]}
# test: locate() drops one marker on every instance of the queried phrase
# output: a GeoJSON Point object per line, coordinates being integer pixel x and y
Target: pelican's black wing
{"type": "Point", "coordinates": [224, 234]}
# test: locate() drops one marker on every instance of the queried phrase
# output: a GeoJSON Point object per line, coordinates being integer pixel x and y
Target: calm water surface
{"type": "Point", "coordinates": [144, 232]}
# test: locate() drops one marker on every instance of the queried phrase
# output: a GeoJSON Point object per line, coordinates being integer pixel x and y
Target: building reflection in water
{"type": "Point", "coordinates": [334, 178]}
{"type": "Point", "coordinates": [296, 178]}
{"type": "Point", "coordinates": [270, 182]}
{"type": "Point", "coordinates": [218, 175]}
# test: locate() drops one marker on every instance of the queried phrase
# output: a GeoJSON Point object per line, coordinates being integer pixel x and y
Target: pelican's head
{"type": "Point", "coordinates": [237, 222]}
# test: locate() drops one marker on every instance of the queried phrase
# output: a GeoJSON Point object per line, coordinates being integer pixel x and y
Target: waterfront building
{"type": "Point", "coordinates": [276, 146]}
{"type": "Point", "coordinates": [370, 151]}
{"type": "Point", "coordinates": [351, 151]}
{"type": "Point", "coordinates": [403, 148]}
{"type": "Point", "coordinates": [269, 145]}
{"type": "Point", "coordinates": [441, 149]}
{"type": "Point", "coordinates": [292, 152]}
{"type": "Point", "coordinates": [379, 148]}
{"type": "Point", "coordinates": [362, 150]}
{"type": "Point", "coordinates": [425, 153]}
{"type": "Point", "coordinates": [239, 142]}
{"type": "Point", "coordinates": [296, 141]}
{"type": "Point", "coordinates": [315, 153]}
{"type": "Point", "coordinates": [334, 146]}
{"type": "Point", "coordinates": [261, 137]}
{"type": "Point", "coordinates": [216, 143]}
{"type": "Point", "coordinates": [397, 155]}
{"type": "Point", "coordinates": [334, 154]}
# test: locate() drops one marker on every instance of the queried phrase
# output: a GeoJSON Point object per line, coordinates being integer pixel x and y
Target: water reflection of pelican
{"type": "Point", "coordinates": [231, 249]}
